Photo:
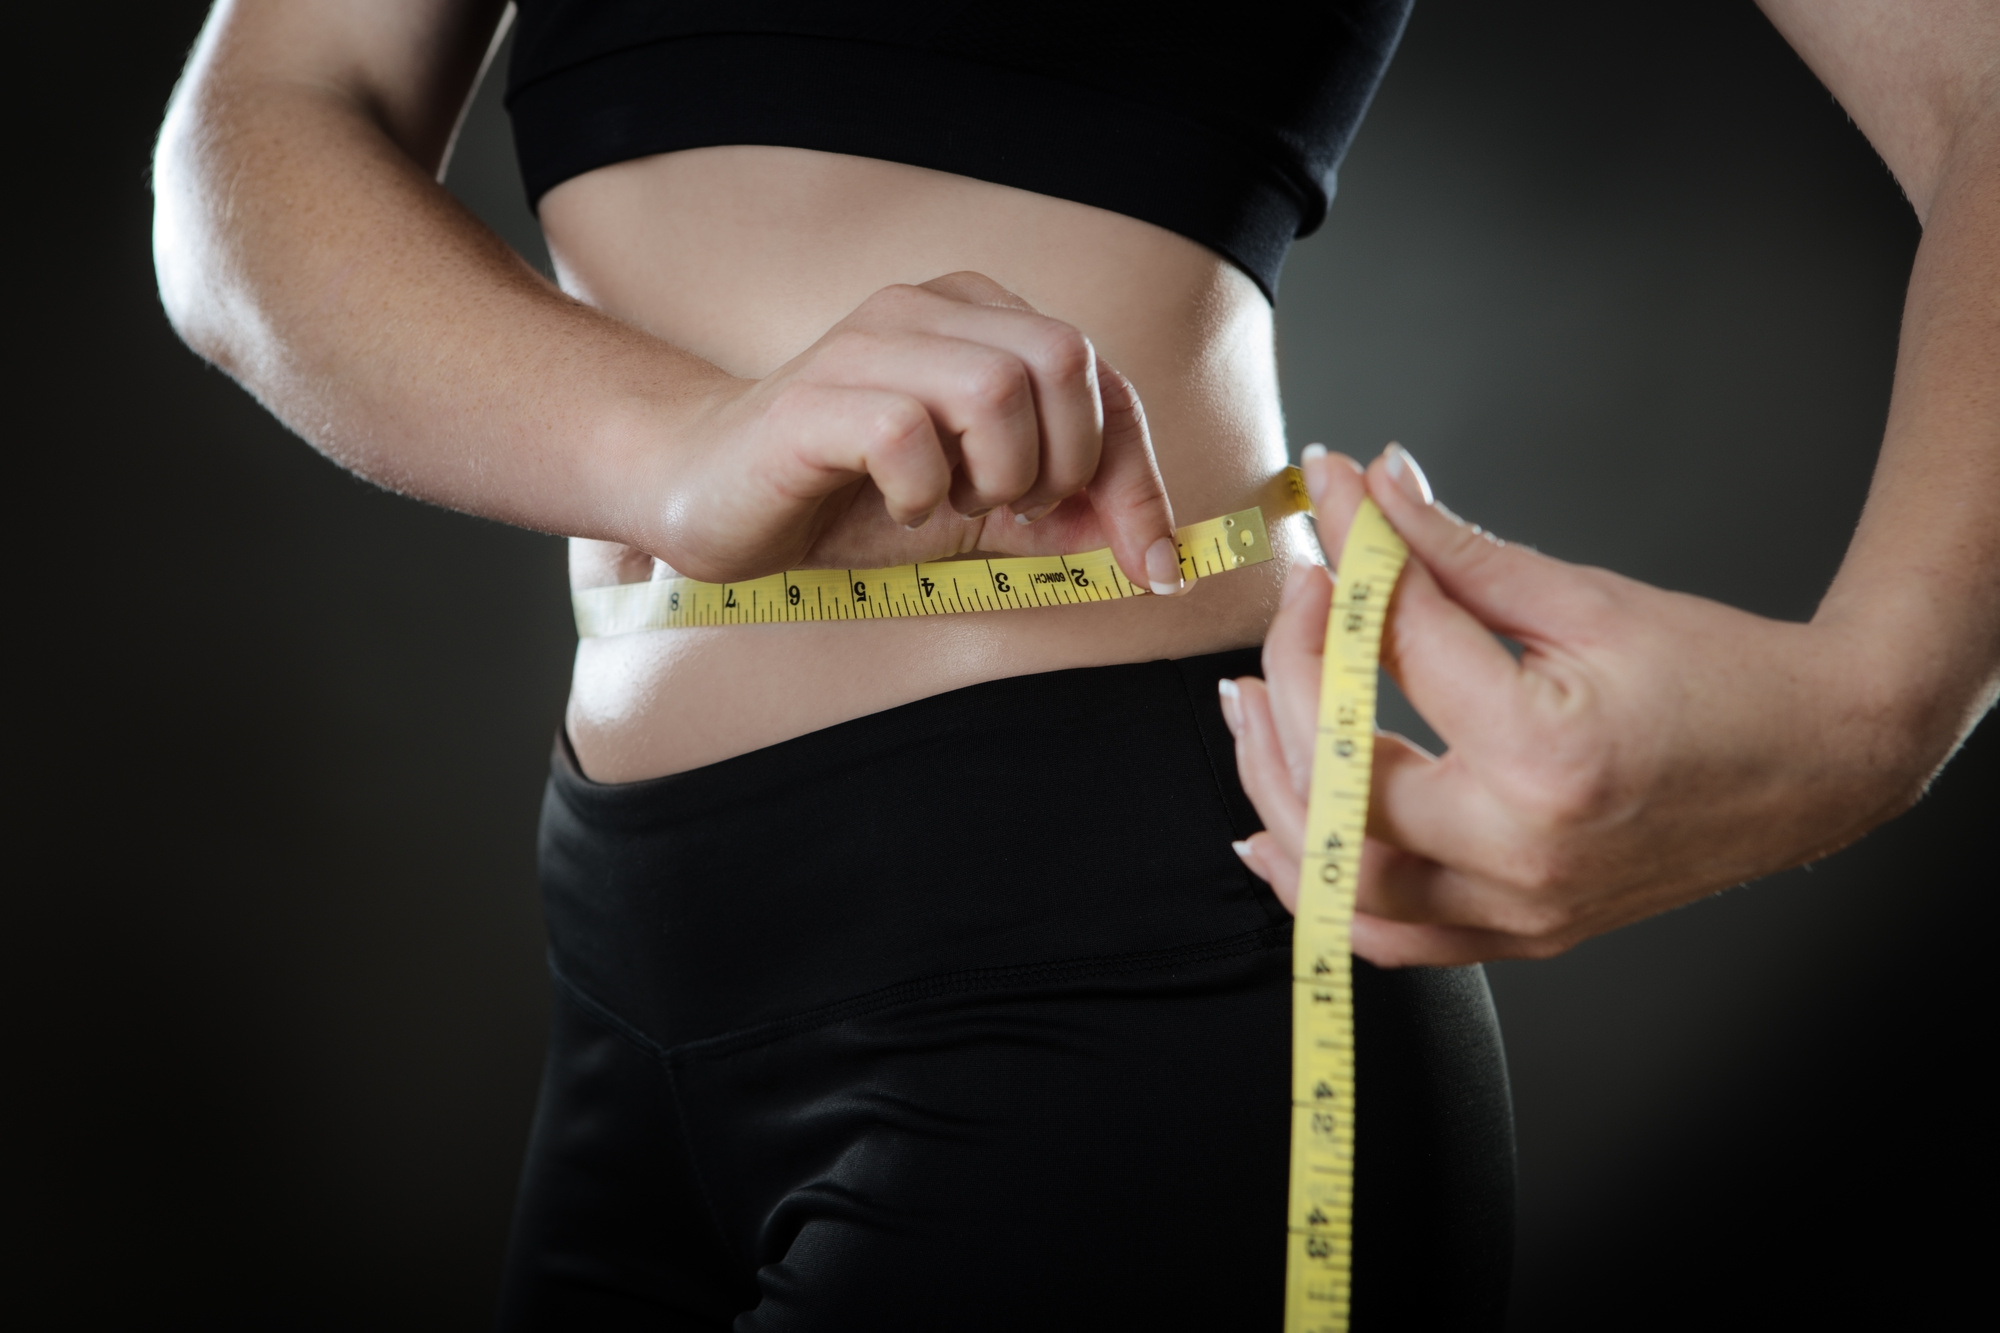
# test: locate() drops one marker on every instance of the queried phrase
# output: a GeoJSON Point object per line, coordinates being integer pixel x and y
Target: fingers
{"type": "Point", "coordinates": [1436, 811]}
{"type": "Point", "coordinates": [1051, 379]}
{"type": "Point", "coordinates": [1128, 494]}
{"type": "Point", "coordinates": [1336, 484]}
{"type": "Point", "coordinates": [1271, 863]}
{"type": "Point", "coordinates": [1294, 652]}
{"type": "Point", "coordinates": [833, 435]}
{"type": "Point", "coordinates": [1272, 855]}
{"type": "Point", "coordinates": [1260, 761]}
{"type": "Point", "coordinates": [1457, 675]}
{"type": "Point", "coordinates": [1511, 589]}
{"type": "Point", "coordinates": [1383, 942]}
{"type": "Point", "coordinates": [1447, 876]}
{"type": "Point", "coordinates": [980, 399]}
{"type": "Point", "coordinates": [1400, 944]}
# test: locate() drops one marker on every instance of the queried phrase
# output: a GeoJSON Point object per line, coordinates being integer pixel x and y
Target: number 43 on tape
{"type": "Point", "coordinates": [1320, 1256]}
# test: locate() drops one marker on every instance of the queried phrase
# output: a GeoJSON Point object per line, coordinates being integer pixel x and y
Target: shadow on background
{"type": "Point", "coordinates": [1628, 287]}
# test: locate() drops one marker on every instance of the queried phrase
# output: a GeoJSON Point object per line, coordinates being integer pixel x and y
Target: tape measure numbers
{"type": "Point", "coordinates": [1319, 1260]}
{"type": "Point", "coordinates": [947, 587]}
{"type": "Point", "coordinates": [1319, 1263]}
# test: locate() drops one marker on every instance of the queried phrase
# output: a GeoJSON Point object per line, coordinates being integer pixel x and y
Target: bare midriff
{"type": "Point", "coordinates": [746, 256]}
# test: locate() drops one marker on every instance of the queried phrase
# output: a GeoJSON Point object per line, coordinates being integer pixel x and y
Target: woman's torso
{"type": "Point", "coordinates": [746, 256]}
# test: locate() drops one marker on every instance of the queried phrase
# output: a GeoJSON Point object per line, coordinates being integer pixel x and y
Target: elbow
{"type": "Point", "coordinates": [190, 207]}
{"type": "Point", "coordinates": [177, 243]}
{"type": "Point", "coordinates": [177, 239]}
{"type": "Point", "coordinates": [190, 245]}
{"type": "Point", "coordinates": [180, 284]}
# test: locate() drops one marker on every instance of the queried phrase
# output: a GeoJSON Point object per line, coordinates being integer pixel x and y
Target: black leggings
{"type": "Point", "coordinates": [964, 1016]}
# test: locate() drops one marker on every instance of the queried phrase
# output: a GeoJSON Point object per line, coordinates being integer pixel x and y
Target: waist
{"type": "Point", "coordinates": [1073, 822]}
{"type": "Point", "coordinates": [745, 256]}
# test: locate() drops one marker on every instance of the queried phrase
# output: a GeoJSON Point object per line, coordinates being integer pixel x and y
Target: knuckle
{"type": "Point", "coordinates": [898, 422]}
{"type": "Point", "coordinates": [998, 386]}
{"type": "Point", "coordinates": [1570, 796]}
{"type": "Point", "coordinates": [1535, 871]}
{"type": "Point", "coordinates": [1536, 910]}
{"type": "Point", "coordinates": [896, 299]}
{"type": "Point", "coordinates": [971, 286]}
{"type": "Point", "coordinates": [1594, 600]}
{"type": "Point", "coordinates": [1066, 474]}
{"type": "Point", "coordinates": [1064, 354]}
{"type": "Point", "coordinates": [1476, 551]}
{"type": "Point", "coordinates": [851, 346]}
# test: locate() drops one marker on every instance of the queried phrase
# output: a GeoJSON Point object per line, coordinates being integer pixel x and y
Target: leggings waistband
{"type": "Point", "coordinates": [1077, 820]}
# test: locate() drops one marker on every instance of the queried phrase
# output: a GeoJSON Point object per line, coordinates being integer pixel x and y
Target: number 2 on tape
{"type": "Point", "coordinates": [1320, 1245]}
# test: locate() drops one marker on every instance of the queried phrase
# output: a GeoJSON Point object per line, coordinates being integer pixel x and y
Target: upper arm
{"type": "Point", "coordinates": [1914, 74]}
{"type": "Point", "coordinates": [408, 65]}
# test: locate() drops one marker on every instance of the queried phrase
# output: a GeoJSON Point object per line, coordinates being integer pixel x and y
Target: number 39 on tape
{"type": "Point", "coordinates": [1319, 1261]}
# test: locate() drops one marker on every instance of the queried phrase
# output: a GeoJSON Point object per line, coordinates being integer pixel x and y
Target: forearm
{"type": "Point", "coordinates": [1917, 600]}
{"type": "Point", "coordinates": [304, 248]}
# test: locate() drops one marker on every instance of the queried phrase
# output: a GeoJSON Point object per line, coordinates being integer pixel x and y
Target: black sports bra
{"type": "Point", "coordinates": [1226, 128]}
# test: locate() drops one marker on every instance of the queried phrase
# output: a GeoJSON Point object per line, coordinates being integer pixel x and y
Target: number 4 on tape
{"type": "Point", "coordinates": [1320, 1254]}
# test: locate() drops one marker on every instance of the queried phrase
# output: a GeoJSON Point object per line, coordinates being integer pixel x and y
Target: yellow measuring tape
{"type": "Point", "coordinates": [1319, 1263]}
{"type": "Point", "coordinates": [948, 587]}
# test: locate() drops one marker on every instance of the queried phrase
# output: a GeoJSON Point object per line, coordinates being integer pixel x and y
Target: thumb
{"type": "Point", "coordinates": [1128, 494]}
{"type": "Point", "coordinates": [1337, 487]}
{"type": "Point", "coordinates": [1512, 590]}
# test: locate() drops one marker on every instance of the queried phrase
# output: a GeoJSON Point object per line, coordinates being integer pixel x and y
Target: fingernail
{"type": "Point", "coordinates": [1035, 514]}
{"type": "Point", "coordinates": [1312, 462]}
{"type": "Point", "coordinates": [1227, 689]}
{"type": "Point", "coordinates": [1409, 477]}
{"type": "Point", "coordinates": [979, 513]}
{"type": "Point", "coordinates": [1242, 849]}
{"type": "Point", "coordinates": [1163, 567]}
{"type": "Point", "coordinates": [918, 523]}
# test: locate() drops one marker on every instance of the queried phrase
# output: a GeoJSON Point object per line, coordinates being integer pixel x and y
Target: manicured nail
{"type": "Point", "coordinates": [913, 525]}
{"type": "Point", "coordinates": [1230, 714]}
{"type": "Point", "coordinates": [1163, 567]}
{"type": "Point", "coordinates": [979, 513]}
{"type": "Point", "coordinates": [1035, 514]}
{"type": "Point", "coordinates": [1409, 478]}
{"type": "Point", "coordinates": [1312, 462]}
{"type": "Point", "coordinates": [1242, 849]}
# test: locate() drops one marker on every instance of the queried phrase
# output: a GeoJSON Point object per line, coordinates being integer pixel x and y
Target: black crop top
{"type": "Point", "coordinates": [1224, 127]}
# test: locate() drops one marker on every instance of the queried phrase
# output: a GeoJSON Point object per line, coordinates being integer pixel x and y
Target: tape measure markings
{"type": "Point", "coordinates": [1320, 1209]}
{"type": "Point", "coordinates": [1002, 583]}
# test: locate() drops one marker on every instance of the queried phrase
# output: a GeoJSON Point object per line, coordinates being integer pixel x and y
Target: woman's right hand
{"type": "Point", "coordinates": [934, 420]}
{"type": "Point", "coordinates": [305, 246]}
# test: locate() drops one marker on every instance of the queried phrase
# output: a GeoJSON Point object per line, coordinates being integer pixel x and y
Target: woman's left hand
{"type": "Point", "coordinates": [1648, 747]}
{"type": "Point", "coordinates": [1645, 749]}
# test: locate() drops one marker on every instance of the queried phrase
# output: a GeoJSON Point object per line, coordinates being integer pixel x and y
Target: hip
{"type": "Point", "coordinates": [968, 983]}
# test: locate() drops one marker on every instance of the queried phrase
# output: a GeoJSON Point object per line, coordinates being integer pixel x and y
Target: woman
{"type": "Point", "coordinates": [900, 957]}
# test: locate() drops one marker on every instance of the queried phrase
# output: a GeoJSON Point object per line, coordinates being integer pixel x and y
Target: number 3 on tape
{"type": "Point", "coordinates": [1320, 1246]}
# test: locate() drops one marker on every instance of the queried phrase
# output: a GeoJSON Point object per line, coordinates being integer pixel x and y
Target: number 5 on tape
{"type": "Point", "coordinates": [1319, 1260]}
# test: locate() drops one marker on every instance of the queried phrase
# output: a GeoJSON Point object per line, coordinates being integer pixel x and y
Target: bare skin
{"type": "Point", "coordinates": [738, 242]}
{"type": "Point", "coordinates": [1650, 747]}
{"type": "Point", "coordinates": [764, 357]}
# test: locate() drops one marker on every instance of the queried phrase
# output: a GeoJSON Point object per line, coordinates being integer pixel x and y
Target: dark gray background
{"type": "Point", "coordinates": [1623, 277]}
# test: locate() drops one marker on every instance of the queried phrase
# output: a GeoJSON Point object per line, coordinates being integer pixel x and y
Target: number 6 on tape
{"type": "Point", "coordinates": [1320, 1246]}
